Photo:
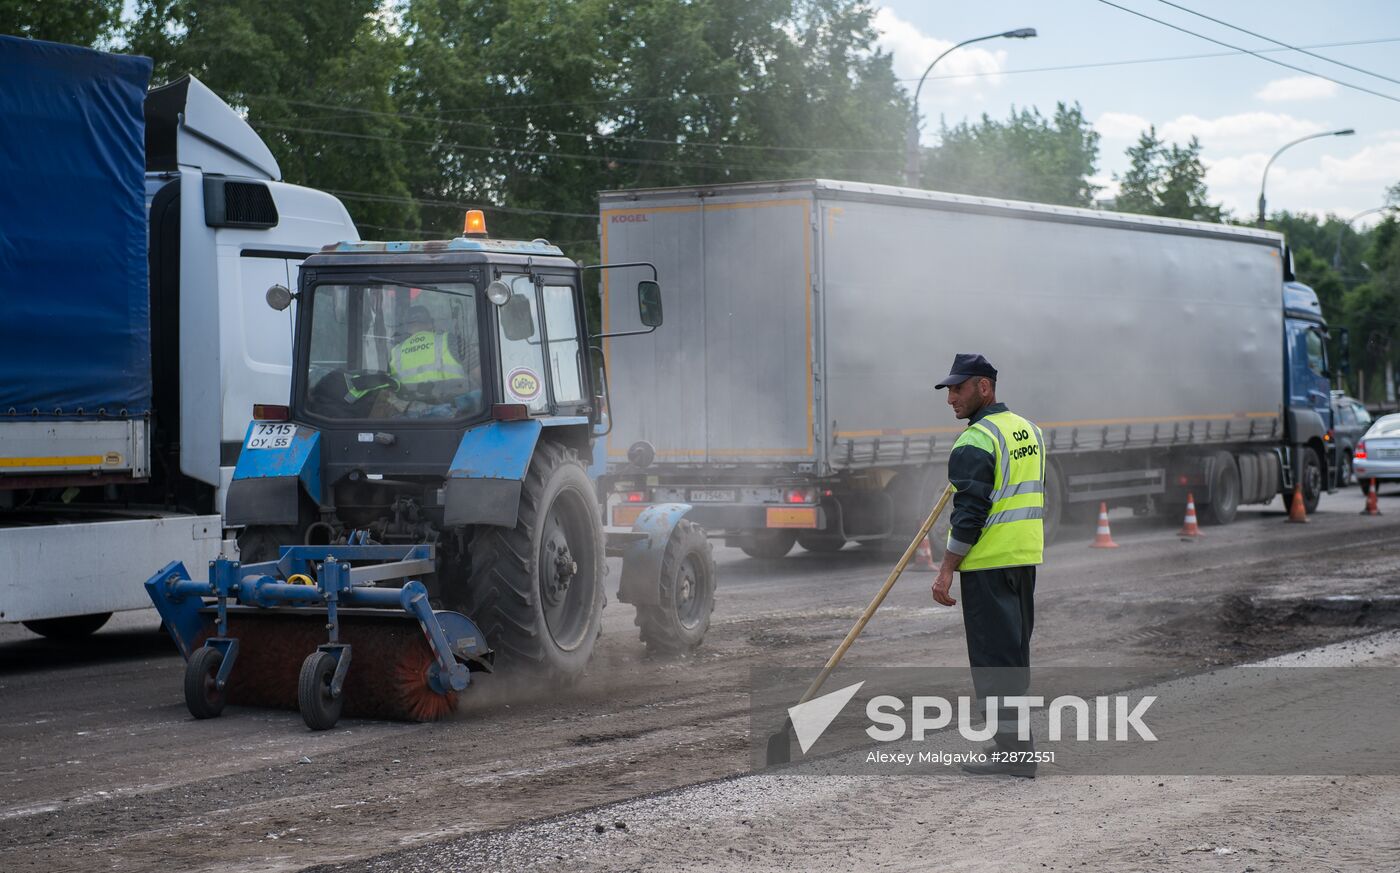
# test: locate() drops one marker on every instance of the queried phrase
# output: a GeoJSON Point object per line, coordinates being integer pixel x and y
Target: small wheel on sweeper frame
{"type": "Point", "coordinates": [318, 708]}
{"type": "Point", "coordinates": [202, 694]}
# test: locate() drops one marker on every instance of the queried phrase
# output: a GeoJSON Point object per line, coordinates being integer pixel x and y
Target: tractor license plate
{"type": "Point", "coordinates": [802, 517]}
{"type": "Point", "coordinates": [271, 436]}
{"type": "Point", "coordinates": [712, 496]}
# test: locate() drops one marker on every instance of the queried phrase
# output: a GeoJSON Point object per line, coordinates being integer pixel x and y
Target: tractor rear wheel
{"type": "Point", "coordinates": [536, 589]}
{"type": "Point", "coordinates": [259, 543]}
{"type": "Point", "coordinates": [678, 624]}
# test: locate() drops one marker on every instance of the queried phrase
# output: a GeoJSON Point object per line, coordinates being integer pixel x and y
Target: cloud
{"type": "Point", "coordinates": [1121, 126]}
{"type": "Point", "coordinates": [1245, 130]}
{"type": "Point", "coordinates": [912, 51]}
{"type": "Point", "coordinates": [1316, 182]}
{"type": "Point", "coordinates": [1296, 88]}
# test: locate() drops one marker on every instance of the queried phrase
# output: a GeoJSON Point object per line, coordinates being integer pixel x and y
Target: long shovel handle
{"type": "Point", "coordinates": [879, 597]}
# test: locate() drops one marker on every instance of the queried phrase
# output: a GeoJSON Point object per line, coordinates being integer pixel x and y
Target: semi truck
{"type": "Point", "coordinates": [794, 400]}
{"type": "Point", "coordinates": [139, 232]}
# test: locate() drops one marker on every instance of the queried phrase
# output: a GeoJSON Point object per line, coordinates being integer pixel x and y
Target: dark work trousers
{"type": "Point", "coordinates": [998, 614]}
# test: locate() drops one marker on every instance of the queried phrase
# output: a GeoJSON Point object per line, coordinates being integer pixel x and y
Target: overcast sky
{"type": "Point", "coordinates": [1241, 107]}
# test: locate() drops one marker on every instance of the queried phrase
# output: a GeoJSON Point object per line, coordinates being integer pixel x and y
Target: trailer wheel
{"type": "Point", "coordinates": [822, 543]}
{"type": "Point", "coordinates": [203, 697]}
{"type": "Point", "coordinates": [319, 708]}
{"type": "Point", "coordinates": [536, 589]}
{"type": "Point", "coordinates": [1224, 490]}
{"type": "Point", "coordinates": [70, 627]}
{"type": "Point", "coordinates": [678, 625]}
{"type": "Point", "coordinates": [768, 544]}
{"type": "Point", "coordinates": [1312, 483]}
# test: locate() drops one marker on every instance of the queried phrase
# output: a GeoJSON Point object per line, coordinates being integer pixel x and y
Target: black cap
{"type": "Point", "coordinates": [965, 367]}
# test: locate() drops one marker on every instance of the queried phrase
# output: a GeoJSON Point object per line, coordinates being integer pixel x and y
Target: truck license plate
{"type": "Point", "coordinates": [722, 496]}
{"type": "Point", "coordinates": [271, 436]}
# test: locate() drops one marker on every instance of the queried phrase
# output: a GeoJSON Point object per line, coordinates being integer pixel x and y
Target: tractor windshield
{"type": "Point", "coordinates": [394, 352]}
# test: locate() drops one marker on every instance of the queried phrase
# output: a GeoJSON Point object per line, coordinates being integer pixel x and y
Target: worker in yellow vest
{"type": "Point", "coordinates": [423, 356]}
{"type": "Point", "coordinates": [996, 540]}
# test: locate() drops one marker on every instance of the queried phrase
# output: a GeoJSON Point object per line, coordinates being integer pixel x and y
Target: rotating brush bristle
{"type": "Point", "coordinates": [388, 677]}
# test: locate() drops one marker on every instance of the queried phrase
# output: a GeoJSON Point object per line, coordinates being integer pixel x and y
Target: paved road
{"type": "Point", "coordinates": [106, 770]}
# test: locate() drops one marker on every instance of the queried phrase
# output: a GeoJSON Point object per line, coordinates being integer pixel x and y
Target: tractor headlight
{"type": "Point", "coordinates": [498, 292]}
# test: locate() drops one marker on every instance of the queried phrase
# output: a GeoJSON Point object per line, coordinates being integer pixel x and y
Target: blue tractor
{"type": "Point", "coordinates": [425, 500]}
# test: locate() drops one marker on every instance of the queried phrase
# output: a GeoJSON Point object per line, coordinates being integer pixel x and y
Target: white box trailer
{"type": "Point", "coordinates": [791, 388]}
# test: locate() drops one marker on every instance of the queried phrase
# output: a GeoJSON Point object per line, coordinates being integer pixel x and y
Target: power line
{"type": "Point", "coordinates": [348, 111]}
{"type": "Point", "coordinates": [513, 210]}
{"type": "Point", "coordinates": [1256, 54]}
{"type": "Point", "coordinates": [531, 153]}
{"type": "Point", "coordinates": [1298, 49]}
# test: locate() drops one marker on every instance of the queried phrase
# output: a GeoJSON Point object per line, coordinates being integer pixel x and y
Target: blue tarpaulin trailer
{"type": "Point", "coordinates": [75, 340]}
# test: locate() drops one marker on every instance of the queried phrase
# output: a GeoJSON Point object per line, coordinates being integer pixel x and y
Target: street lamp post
{"type": "Point", "coordinates": [911, 143]}
{"type": "Point", "coordinates": [1346, 132]}
{"type": "Point", "coordinates": [1337, 253]}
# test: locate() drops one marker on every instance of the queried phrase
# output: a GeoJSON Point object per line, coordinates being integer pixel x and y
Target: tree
{"type": "Point", "coordinates": [1027, 157]}
{"type": "Point", "coordinates": [315, 79]}
{"type": "Point", "coordinates": [1167, 181]}
{"type": "Point", "coordinates": [90, 23]}
{"type": "Point", "coordinates": [1371, 308]}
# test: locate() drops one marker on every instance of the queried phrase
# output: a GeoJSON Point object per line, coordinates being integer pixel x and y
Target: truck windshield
{"type": "Point", "coordinates": [394, 351]}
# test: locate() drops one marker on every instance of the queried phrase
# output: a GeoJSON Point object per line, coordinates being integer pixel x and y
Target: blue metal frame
{"type": "Point", "coordinates": [335, 582]}
{"type": "Point", "coordinates": [301, 459]}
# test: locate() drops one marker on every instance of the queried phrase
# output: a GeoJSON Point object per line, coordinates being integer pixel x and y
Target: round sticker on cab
{"type": "Point", "coordinates": [523, 384]}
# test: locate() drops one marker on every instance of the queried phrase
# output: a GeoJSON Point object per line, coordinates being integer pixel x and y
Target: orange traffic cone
{"type": "Point", "coordinates": [1189, 529]}
{"type": "Point", "coordinates": [1373, 506]}
{"type": "Point", "coordinates": [1297, 512]}
{"type": "Point", "coordinates": [1102, 538]}
{"type": "Point", "coordinates": [923, 558]}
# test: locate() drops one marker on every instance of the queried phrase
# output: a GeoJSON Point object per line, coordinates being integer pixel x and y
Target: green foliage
{"type": "Point", "coordinates": [1163, 180]}
{"type": "Point", "coordinates": [1373, 308]}
{"type": "Point", "coordinates": [299, 69]}
{"type": "Point", "coordinates": [1026, 157]}
{"type": "Point", "coordinates": [90, 23]}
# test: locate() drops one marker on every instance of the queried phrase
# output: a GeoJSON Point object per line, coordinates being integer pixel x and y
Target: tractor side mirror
{"type": "Point", "coordinates": [649, 303]}
{"type": "Point", "coordinates": [516, 321]}
{"type": "Point", "coordinates": [279, 297]}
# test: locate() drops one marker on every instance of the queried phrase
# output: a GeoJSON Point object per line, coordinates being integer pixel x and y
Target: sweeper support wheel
{"type": "Point", "coordinates": [203, 696]}
{"type": "Point", "coordinates": [316, 698]}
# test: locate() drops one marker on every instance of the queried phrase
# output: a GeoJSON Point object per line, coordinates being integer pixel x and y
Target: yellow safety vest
{"type": "Point", "coordinates": [424, 357]}
{"type": "Point", "coordinates": [1014, 533]}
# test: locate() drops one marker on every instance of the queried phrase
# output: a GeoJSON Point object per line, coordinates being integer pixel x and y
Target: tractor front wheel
{"type": "Point", "coordinates": [677, 625]}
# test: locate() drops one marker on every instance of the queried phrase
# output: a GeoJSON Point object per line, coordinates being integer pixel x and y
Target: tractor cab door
{"type": "Point", "coordinates": [543, 364]}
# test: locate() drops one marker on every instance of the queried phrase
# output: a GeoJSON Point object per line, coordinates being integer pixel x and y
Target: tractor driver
{"type": "Point", "coordinates": [423, 362]}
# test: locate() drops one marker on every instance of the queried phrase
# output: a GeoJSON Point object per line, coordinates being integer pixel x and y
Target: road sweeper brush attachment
{"type": "Point", "coordinates": [282, 633]}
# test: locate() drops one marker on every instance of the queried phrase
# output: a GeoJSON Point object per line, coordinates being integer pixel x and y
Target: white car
{"type": "Point", "coordinates": [1378, 452]}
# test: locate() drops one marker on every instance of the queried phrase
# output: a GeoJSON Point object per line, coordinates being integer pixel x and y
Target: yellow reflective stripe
{"type": "Point", "coordinates": [1009, 515]}
{"type": "Point", "coordinates": [68, 461]}
{"type": "Point", "coordinates": [1027, 487]}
